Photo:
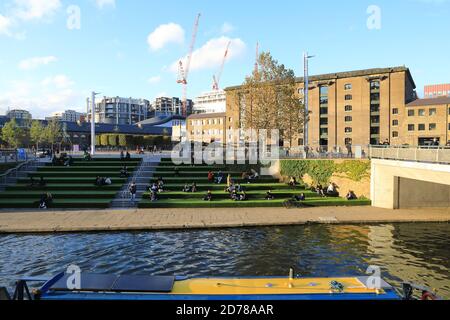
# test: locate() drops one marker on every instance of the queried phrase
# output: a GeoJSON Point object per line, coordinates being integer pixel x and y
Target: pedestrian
{"type": "Point", "coordinates": [133, 190]}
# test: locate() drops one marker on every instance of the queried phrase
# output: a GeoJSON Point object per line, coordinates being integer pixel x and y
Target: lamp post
{"type": "Point", "coordinates": [306, 58]}
{"type": "Point", "coordinates": [93, 122]}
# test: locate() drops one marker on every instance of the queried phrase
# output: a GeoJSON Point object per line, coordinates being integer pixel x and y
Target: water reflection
{"type": "Point", "coordinates": [413, 252]}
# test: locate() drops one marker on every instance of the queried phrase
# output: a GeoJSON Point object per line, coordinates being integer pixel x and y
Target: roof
{"type": "Point", "coordinates": [159, 120]}
{"type": "Point", "coordinates": [429, 102]}
{"type": "Point", "coordinates": [351, 74]}
{"type": "Point", "coordinates": [208, 115]}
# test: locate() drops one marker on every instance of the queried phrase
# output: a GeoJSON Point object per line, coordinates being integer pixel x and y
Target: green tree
{"type": "Point", "coordinates": [269, 100]}
{"type": "Point", "coordinates": [104, 140]}
{"type": "Point", "coordinates": [37, 133]}
{"type": "Point", "coordinates": [122, 140]}
{"type": "Point", "coordinates": [112, 140]}
{"type": "Point", "coordinates": [53, 133]}
{"type": "Point", "coordinates": [12, 134]}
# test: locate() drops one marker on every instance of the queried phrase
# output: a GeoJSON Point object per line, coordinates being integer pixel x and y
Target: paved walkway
{"type": "Point", "coordinates": [163, 219]}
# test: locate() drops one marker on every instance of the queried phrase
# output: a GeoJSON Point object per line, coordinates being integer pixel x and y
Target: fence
{"type": "Point", "coordinates": [416, 154]}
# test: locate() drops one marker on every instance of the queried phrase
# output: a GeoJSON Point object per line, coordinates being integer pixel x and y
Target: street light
{"type": "Point", "coordinates": [93, 122]}
{"type": "Point", "coordinates": [306, 58]}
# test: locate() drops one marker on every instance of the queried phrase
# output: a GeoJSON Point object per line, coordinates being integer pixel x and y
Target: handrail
{"type": "Point", "coordinates": [426, 154]}
{"type": "Point", "coordinates": [4, 176]}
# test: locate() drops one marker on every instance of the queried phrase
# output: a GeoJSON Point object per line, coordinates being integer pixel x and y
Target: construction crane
{"type": "Point", "coordinates": [256, 59]}
{"type": "Point", "coordinates": [183, 71]}
{"type": "Point", "coordinates": [216, 79]}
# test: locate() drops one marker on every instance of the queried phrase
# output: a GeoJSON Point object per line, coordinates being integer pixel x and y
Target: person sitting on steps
{"type": "Point", "coordinates": [332, 190]}
{"type": "Point", "coordinates": [133, 190]}
{"type": "Point", "coordinates": [46, 200]}
{"type": "Point", "coordinates": [87, 156]}
{"type": "Point", "coordinates": [219, 177]}
{"type": "Point", "coordinates": [186, 188]}
{"type": "Point", "coordinates": [301, 197]}
{"type": "Point", "coordinates": [194, 188]}
{"type": "Point", "coordinates": [208, 196]}
{"type": "Point", "coordinates": [293, 182]}
{"type": "Point", "coordinates": [319, 191]}
{"type": "Point", "coordinates": [269, 195]}
{"type": "Point", "coordinates": [243, 196]}
{"type": "Point", "coordinates": [210, 177]}
{"type": "Point", "coordinates": [351, 196]}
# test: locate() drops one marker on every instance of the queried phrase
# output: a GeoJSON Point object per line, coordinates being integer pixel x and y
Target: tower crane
{"type": "Point", "coordinates": [216, 78]}
{"type": "Point", "coordinates": [183, 70]}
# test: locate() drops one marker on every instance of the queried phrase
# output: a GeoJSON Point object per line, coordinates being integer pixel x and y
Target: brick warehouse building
{"type": "Point", "coordinates": [359, 107]}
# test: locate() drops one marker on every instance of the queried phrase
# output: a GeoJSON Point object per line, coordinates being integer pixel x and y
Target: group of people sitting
{"type": "Point", "coordinates": [155, 188]}
{"type": "Point", "coordinates": [331, 191]}
{"type": "Point", "coordinates": [124, 172]}
{"type": "Point", "coordinates": [249, 176]}
{"type": "Point", "coordinates": [102, 181]}
{"type": "Point", "coordinates": [190, 188]}
{"type": "Point", "coordinates": [62, 159]}
{"type": "Point", "coordinates": [45, 201]}
{"type": "Point", "coordinates": [125, 156]}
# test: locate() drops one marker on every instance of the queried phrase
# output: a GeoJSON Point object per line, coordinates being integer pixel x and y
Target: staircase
{"type": "Point", "coordinates": [141, 176]}
{"type": "Point", "coordinates": [21, 172]}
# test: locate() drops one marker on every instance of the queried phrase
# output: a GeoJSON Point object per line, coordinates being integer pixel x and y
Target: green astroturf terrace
{"type": "Point", "coordinates": [71, 187]}
{"type": "Point", "coordinates": [174, 197]}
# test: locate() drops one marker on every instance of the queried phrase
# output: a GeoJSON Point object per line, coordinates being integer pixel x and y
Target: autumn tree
{"type": "Point", "coordinates": [13, 134]}
{"type": "Point", "coordinates": [37, 133]}
{"type": "Point", "coordinates": [268, 99]}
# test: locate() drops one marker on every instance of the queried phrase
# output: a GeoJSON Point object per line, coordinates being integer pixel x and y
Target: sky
{"type": "Point", "coordinates": [53, 53]}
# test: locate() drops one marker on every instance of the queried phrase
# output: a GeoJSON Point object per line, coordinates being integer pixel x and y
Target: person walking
{"type": "Point", "coordinates": [133, 191]}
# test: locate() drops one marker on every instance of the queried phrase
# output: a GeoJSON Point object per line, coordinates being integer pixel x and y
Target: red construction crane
{"type": "Point", "coordinates": [183, 72]}
{"type": "Point", "coordinates": [216, 79]}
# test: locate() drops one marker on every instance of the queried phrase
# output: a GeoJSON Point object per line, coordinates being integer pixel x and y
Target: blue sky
{"type": "Point", "coordinates": [129, 48]}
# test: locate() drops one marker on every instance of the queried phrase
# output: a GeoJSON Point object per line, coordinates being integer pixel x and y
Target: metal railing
{"type": "Point", "coordinates": [13, 173]}
{"type": "Point", "coordinates": [407, 153]}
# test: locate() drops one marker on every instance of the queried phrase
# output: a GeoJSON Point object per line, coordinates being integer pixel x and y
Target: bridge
{"type": "Point", "coordinates": [410, 177]}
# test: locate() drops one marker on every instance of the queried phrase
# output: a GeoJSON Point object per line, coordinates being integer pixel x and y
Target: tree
{"type": "Point", "coordinates": [268, 99]}
{"type": "Point", "coordinates": [53, 133]}
{"type": "Point", "coordinates": [12, 134]}
{"type": "Point", "coordinates": [37, 133]}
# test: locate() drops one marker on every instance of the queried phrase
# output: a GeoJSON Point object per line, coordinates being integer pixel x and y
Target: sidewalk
{"type": "Point", "coordinates": [167, 219]}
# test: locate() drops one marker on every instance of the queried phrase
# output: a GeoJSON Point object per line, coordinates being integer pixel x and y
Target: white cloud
{"type": "Point", "coordinates": [106, 3]}
{"type": "Point", "coordinates": [36, 9]}
{"type": "Point", "coordinates": [43, 97]}
{"type": "Point", "coordinates": [154, 80]}
{"type": "Point", "coordinates": [164, 35]}
{"type": "Point", "coordinates": [227, 28]}
{"type": "Point", "coordinates": [33, 63]}
{"type": "Point", "coordinates": [210, 55]}
{"type": "Point", "coordinates": [5, 24]}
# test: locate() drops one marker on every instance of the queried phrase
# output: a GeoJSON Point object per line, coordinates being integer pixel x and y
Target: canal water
{"type": "Point", "coordinates": [410, 252]}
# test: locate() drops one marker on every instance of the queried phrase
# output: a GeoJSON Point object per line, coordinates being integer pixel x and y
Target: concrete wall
{"type": "Point", "coordinates": [388, 177]}
{"type": "Point", "coordinates": [421, 194]}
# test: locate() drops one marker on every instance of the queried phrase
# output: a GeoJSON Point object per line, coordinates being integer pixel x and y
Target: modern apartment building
{"type": "Point", "coordinates": [18, 114]}
{"type": "Point", "coordinates": [207, 127]}
{"type": "Point", "coordinates": [68, 116]}
{"type": "Point", "coordinates": [425, 121]}
{"type": "Point", "coordinates": [211, 102]}
{"type": "Point", "coordinates": [170, 106]}
{"type": "Point", "coordinates": [119, 111]}
{"type": "Point", "coordinates": [357, 107]}
{"type": "Point", "coordinates": [437, 90]}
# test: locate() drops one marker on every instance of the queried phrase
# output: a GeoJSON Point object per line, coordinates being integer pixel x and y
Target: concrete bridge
{"type": "Point", "coordinates": [410, 177]}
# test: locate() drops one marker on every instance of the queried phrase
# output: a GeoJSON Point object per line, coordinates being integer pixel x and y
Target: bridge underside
{"type": "Point", "coordinates": [401, 185]}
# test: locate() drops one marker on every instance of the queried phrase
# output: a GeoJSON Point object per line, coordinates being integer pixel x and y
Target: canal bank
{"type": "Point", "coordinates": [178, 219]}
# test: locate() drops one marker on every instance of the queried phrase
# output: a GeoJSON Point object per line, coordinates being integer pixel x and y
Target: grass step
{"type": "Point", "coordinates": [66, 180]}
{"type": "Point", "coordinates": [335, 202]}
{"type": "Point", "coordinates": [100, 163]}
{"type": "Point", "coordinates": [66, 187]}
{"type": "Point", "coordinates": [77, 174]}
{"type": "Point", "coordinates": [220, 187]}
{"type": "Point", "coordinates": [84, 169]}
{"type": "Point", "coordinates": [58, 194]}
{"type": "Point", "coordinates": [225, 195]}
{"type": "Point", "coordinates": [57, 203]}
{"type": "Point", "coordinates": [204, 180]}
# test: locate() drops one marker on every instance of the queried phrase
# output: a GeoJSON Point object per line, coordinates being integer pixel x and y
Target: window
{"type": "Point", "coordinates": [348, 97]}
{"type": "Point", "coordinates": [374, 85]}
{"type": "Point", "coordinates": [348, 86]}
{"type": "Point", "coordinates": [395, 111]}
{"type": "Point", "coordinates": [433, 112]}
{"type": "Point", "coordinates": [411, 127]}
{"type": "Point", "coordinates": [395, 123]}
{"type": "Point", "coordinates": [348, 108]}
{"type": "Point", "coordinates": [395, 134]}
{"type": "Point", "coordinates": [348, 141]}
{"type": "Point", "coordinates": [411, 113]}
{"type": "Point", "coordinates": [421, 112]}
{"type": "Point", "coordinates": [421, 127]}
{"type": "Point", "coordinates": [348, 119]}
{"type": "Point", "coordinates": [348, 130]}
{"type": "Point", "coordinates": [432, 126]}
